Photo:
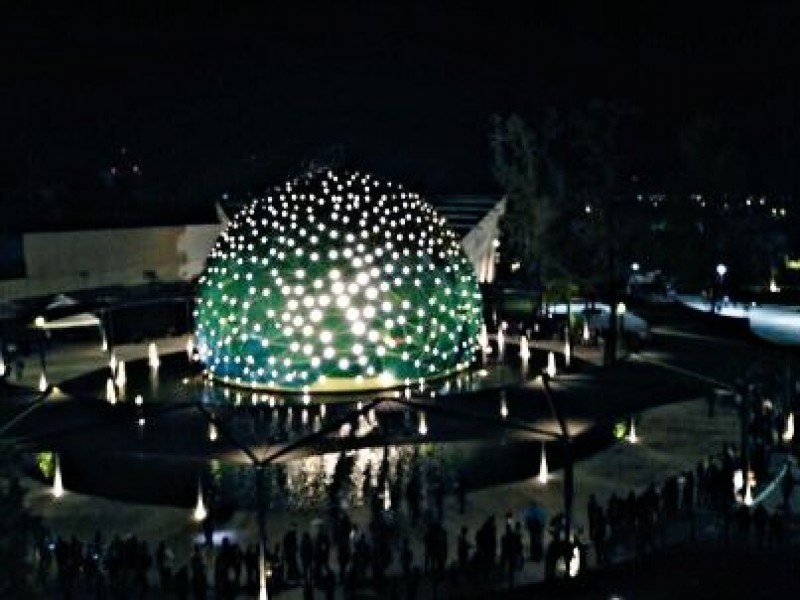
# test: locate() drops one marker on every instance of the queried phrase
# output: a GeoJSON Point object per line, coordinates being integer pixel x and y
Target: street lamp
{"type": "Point", "coordinates": [716, 292]}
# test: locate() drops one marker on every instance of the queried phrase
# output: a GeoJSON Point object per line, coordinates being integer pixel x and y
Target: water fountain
{"type": "Point", "coordinates": [364, 427]}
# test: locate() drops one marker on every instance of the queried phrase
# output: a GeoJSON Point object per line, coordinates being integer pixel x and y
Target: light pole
{"type": "Point", "coordinates": [621, 308]}
{"type": "Point", "coordinates": [716, 296]}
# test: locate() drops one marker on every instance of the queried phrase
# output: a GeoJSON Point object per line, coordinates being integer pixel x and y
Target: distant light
{"type": "Point", "coordinates": [635, 266]}
{"type": "Point", "coordinates": [721, 270]}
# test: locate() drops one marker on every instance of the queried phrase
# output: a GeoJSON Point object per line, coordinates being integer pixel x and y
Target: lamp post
{"type": "Point", "coordinates": [717, 289]}
{"type": "Point", "coordinates": [621, 308]}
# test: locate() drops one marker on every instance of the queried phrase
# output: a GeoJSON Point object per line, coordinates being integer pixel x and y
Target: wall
{"type": "Point", "coordinates": [71, 260]}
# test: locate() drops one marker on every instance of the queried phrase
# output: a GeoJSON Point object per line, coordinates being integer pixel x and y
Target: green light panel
{"type": "Point", "coordinates": [336, 282]}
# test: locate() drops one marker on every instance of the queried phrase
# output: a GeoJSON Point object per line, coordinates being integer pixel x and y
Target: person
{"type": "Point", "coordinates": [461, 492]}
{"type": "Point", "coordinates": [463, 549]}
{"type": "Point", "coordinates": [290, 553]}
{"type": "Point", "coordinates": [406, 558]}
{"type": "Point", "coordinates": [306, 555]}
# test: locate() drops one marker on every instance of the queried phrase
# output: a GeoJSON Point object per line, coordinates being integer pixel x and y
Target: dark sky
{"type": "Point", "coordinates": [214, 99]}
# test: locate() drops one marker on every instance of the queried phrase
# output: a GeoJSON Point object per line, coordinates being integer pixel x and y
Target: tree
{"type": "Point", "coordinates": [518, 166]}
{"type": "Point", "coordinates": [602, 218]}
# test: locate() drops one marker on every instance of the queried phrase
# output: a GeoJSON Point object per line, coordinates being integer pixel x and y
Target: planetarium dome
{"type": "Point", "coordinates": [336, 281]}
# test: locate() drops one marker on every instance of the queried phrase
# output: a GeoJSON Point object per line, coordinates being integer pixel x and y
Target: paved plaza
{"type": "Point", "coordinates": [671, 438]}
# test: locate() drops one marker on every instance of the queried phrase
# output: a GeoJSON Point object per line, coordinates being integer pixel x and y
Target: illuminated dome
{"type": "Point", "coordinates": [340, 282]}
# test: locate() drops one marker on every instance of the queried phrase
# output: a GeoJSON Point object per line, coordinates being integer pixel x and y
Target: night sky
{"type": "Point", "coordinates": [215, 99]}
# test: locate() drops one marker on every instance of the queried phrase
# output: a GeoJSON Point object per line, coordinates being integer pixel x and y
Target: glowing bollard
{"type": "Point", "coordinates": [423, 425]}
{"type": "Point", "coordinates": [542, 477]}
{"type": "Point", "coordinates": [42, 382]}
{"type": "Point", "coordinates": [567, 353]}
{"type": "Point", "coordinates": [212, 432]}
{"type": "Point", "coordinates": [58, 483]}
{"type": "Point", "coordinates": [586, 334]}
{"type": "Point", "coordinates": [2, 365]}
{"type": "Point", "coordinates": [190, 348]}
{"type": "Point", "coordinates": [503, 408]}
{"type": "Point", "coordinates": [112, 363]}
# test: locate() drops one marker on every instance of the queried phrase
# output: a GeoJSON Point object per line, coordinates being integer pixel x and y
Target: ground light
{"type": "Point", "coordinates": [501, 342]}
{"type": "Point", "coordinates": [58, 484]}
{"type": "Point", "coordinates": [524, 349]}
{"type": "Point", "coordinates": [111, 391]}
{"type": "Point", "coordinates": [200, 512]}
{"type": "Point", "coordinates": [632, 437]}
{"type": "Point", "coordinates": [551, 365]}
{"type": "Point", "coordinates": [121, 375]}
{"type": "Point", "coordinates": [152, 356]}
{"type": "Point", "coordinates": [543, 466]}
{"type": "Point", "coordinates": [788, 433]}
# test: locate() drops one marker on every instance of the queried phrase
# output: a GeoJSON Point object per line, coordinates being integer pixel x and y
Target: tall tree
{"type": "Point", "coordinates": [602, 219]}
{"type": "Point", "coordinates": [519, 167]}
